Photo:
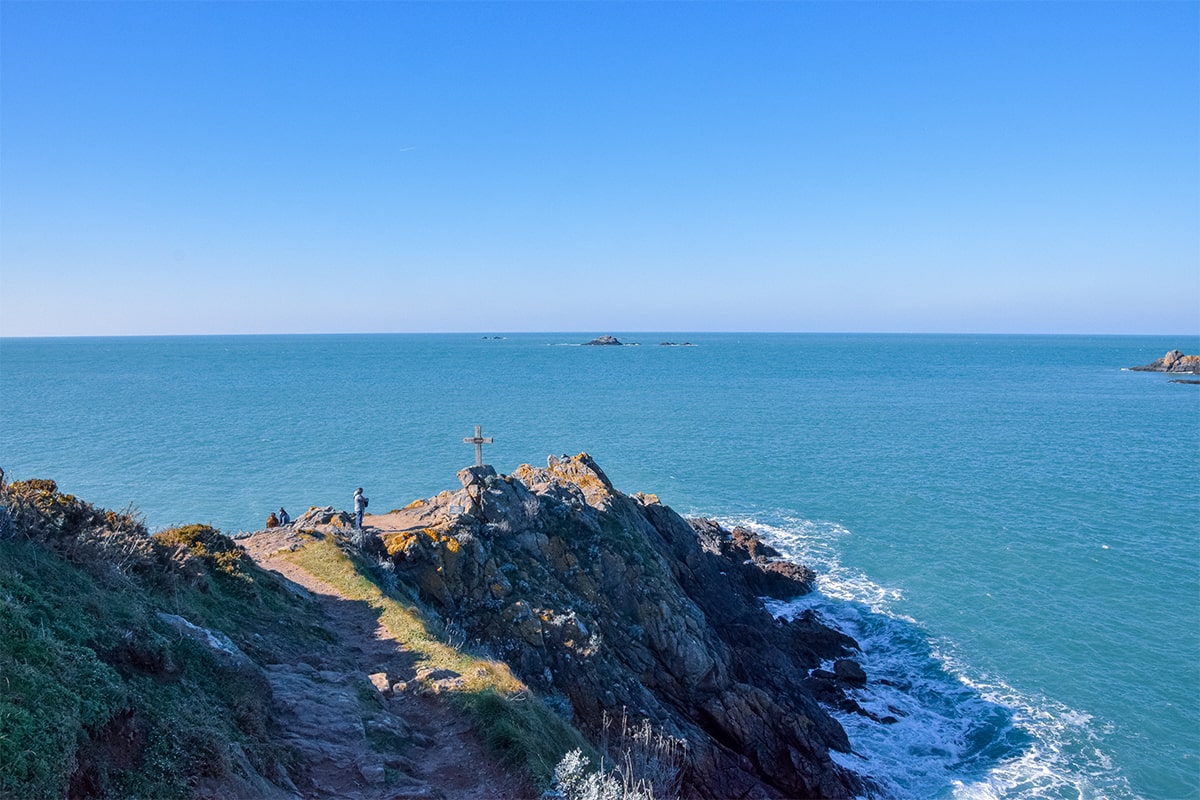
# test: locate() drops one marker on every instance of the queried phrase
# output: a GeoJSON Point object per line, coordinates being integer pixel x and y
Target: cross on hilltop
{"type": "Point", "coordinates": [479, 441]}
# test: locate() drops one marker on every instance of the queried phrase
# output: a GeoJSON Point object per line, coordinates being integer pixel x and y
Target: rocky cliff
{"type": "Point", "coordinates": [462, 648]}
{"type": "Point", "coordinates": [618, 604]}
{"type": "Point", "coordinates": [1174, 361]}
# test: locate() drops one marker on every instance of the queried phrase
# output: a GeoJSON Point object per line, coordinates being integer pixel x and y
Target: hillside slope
{"type": "Point", "coordinates": [173, 666]}
{"type": "Point", "coordinates": [460, 648]}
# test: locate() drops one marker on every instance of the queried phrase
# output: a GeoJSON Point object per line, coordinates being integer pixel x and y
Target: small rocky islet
{"type": "Point", "coordinates": [1174, 362]}
{"type": "Point", "coordinates": [606, 341]}
{"type": "Point", "coordinates": [612, 341]}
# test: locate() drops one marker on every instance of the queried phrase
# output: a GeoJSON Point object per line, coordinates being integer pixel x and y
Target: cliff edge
{"type": "Point", "coordinates": [618, 605]}
{"type": "Point", "coordinates": [473, 644]}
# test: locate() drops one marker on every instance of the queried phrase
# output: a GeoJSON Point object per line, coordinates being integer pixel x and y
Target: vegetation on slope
{"type": "Point", "coordinates": [101, 696]}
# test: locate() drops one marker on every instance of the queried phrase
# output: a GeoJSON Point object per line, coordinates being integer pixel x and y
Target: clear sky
{"type": "Point", "coordinates": [604, 167]}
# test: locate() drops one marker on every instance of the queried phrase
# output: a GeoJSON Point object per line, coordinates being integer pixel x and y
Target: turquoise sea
{"type": "Point", "coordinates": [1010, 525]}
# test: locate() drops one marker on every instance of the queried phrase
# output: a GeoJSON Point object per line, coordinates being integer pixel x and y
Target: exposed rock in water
{"type": "Point", "coordinates": [1174, 361]}
{"type": "Point", "coordinates": [605, 340]}
{"type": "Point", "coordinates": [849, 672]}
{"type": "Point", "coordinates": [619, 604]}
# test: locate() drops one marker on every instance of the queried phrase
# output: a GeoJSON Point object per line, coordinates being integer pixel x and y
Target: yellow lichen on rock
{"type": "Point", "coordinates": [398, 542]}
{"type": "Point", "coordinates": [404, 541]}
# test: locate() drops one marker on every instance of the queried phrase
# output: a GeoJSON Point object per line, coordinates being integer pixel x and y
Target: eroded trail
{"type": "Point", "coordinates": [358, 738]}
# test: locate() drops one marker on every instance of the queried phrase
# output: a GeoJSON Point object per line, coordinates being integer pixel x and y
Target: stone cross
{"type": "Point", "coordinates": [479, 441]}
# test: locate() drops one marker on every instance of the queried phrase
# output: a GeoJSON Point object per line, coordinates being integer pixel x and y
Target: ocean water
{"type": "Point", "coordinates": [1009, 525]}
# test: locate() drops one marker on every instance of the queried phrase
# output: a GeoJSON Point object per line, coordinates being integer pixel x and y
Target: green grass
{"type": "Point", "coordinates": [98, 698]}
{"type": "Point", "coordinates": [101, 699]}
{"type": "Point", "coordinates": [405, 621]}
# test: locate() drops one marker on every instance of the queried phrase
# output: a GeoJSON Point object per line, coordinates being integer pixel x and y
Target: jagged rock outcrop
{"type": "Point", "coordinates": [606, 340]}
{"type": "Point", "coordinates": [1174, 361]}
{"type": "Point", "coordinates": [321, 515]}
{"type": "Point", "coordinates": [618, 603]}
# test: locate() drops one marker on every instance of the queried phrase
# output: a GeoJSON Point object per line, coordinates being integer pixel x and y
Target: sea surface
{"type": "Point", "coordinates": [1009, 525]}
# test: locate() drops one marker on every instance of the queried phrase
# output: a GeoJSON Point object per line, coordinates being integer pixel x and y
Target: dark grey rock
{"type": "Point", "coordinates": [617, 603]}
{"type": "Point", "coordinates": [849, 672]}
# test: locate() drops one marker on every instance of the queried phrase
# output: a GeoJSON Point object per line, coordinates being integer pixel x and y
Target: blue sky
{"type": "Point", "coordinates": [178, 168]}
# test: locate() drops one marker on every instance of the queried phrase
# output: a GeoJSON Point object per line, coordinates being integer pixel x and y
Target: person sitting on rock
{"type": "Point", "coordinates": [284, 519]}
{"type": "Point", "coordinates": [272, 521]}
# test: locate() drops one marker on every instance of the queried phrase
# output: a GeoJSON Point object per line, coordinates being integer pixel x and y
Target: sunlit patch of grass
{"type": "Point", "coordinates": [404, 621]}
{"type": "Point", "coordinates": [515, 724]}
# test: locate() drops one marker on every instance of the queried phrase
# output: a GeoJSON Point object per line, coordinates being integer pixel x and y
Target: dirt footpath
{"type": "Point", "coordinates": [410, 746]}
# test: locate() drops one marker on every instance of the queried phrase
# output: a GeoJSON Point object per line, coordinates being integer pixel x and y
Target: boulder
{"type": "Point", "coordinates": [849, 672]}
{"type": "Point", "coordinates": [605, 340]}
{"type": "Point", "coordinates": [217, 643]}
{"type": "Point", "coordinates": [324, 515]}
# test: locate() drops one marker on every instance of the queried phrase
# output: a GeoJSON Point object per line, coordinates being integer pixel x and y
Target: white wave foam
{"type": "Point", "coordinates": [958, 735]}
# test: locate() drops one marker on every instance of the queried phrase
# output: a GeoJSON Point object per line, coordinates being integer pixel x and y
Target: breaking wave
{"type": "Point", "coordinates": [958, 735]}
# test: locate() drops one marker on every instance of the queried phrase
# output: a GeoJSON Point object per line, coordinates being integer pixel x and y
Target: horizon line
{"type": "Point", "coordinates": [630, 332]}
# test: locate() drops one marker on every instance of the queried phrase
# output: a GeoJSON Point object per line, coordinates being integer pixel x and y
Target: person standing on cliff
{"type": "Point", "coordinates": [360, 505]}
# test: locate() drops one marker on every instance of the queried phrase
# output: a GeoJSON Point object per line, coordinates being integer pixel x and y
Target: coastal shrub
{"type": "Point", "coordinates": [217, 550]}
{"type": "Point", "coordinates": [104, 542]}
{"type": "Point", "coordinates": [574, 781]}
{"type": "Point", "coordinates": [204, 555]}
{"type": "Point", "coordinates": [39, 511]}
{"type": "Point", "coordinates": [55, 689]}
{"type": "Point", "coordinates": [646, 763]}
{"type": "Point", "coordinates": [643, 755]}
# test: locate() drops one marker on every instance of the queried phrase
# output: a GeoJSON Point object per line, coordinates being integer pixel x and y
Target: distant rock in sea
{"type": "Point", "coordinates": [675, 344]}
{"type": "Point", "coordinates": [609, 341]}
{"type": "Point", "coordinates": [1174, 361]}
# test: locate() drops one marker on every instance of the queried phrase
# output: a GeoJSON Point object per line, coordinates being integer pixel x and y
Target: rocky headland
{"type": "Point", "coordinates": [460, 647]}
{"type": "Point", "coordinates": [619, 605]}
{"type": "Point", "coordinates": [1174, 361]}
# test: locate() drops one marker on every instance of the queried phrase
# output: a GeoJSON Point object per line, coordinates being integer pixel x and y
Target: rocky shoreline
{"type": "Point", "coordinates": [617, 604]}
{"type": "Point", "coordinates": [460, 647]}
